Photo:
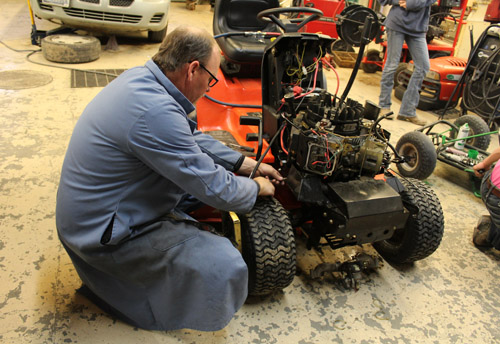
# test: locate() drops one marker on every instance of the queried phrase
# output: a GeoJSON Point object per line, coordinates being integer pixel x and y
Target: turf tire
{"type": "Point", "coordinates": [268, 247]}
{"type": "Point", "coordinates": [424, 228]}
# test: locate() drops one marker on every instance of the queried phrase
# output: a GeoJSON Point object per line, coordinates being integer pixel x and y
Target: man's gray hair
{"type": "Point", "coordinates": [184, 45]}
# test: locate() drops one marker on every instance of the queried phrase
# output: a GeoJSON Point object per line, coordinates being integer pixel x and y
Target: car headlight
{"type": "Point", "coordinates": [433, 75]}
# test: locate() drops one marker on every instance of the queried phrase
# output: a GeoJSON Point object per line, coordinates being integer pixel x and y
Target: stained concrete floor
{"type": "Point", "coordinates": [450, 297]}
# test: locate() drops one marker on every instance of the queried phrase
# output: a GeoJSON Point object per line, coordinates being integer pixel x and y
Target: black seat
{"type": "Point", "coordinates": [241, 16]}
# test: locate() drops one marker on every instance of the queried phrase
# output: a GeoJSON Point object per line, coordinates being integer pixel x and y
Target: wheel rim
{"type": "Point", "coordinates": [411, 154]}
{"type": "Point", "coordinates": [399, 77]}
{"type": "Point", "coordinates": [397, 239]}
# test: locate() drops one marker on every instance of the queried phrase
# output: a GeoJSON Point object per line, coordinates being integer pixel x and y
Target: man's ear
{"type": "Point", "coordinates": [191, 69]}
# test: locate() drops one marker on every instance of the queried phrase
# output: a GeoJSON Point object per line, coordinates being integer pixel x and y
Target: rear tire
{"type": "Point", "coordinates": [372, 55]}
{"type": "Point", "coordinates": [420, 154]}
{"type": "Point", "coordinates": [424, 228]}
{"type": "Point", "coordinates": [268, 247]}
{"type": "Point", "coordinates": [476, 126]}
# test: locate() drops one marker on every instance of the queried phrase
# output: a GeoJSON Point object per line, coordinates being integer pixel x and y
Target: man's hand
{"type": "Point", "coordinates": [264, 170]}
{"type": "Point", "coordinates": [402, 3]}
{"type": "Point", "coordinates": [266, 187]}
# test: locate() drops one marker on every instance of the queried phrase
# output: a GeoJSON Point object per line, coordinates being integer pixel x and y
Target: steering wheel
{"type": "Point", "coordinates": [289, 25]}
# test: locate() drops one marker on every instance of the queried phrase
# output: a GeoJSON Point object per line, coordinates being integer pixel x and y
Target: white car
{"type": "Point", "coordinates": [107, 16]}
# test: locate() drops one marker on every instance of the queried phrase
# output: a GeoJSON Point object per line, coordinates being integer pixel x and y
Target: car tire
{"type": "Point", "coordinates": [423, 230]}
{"type": "Point", "coordinates": [157, 36]}
{"type": "Point", "coordinates": [71, 48]}
{"type": "Point", "coordinates": [268, 246]}
{"type": "Point", "coordinates": [420, 153]}
{"type": "Point", "coordinates": [476, 126]}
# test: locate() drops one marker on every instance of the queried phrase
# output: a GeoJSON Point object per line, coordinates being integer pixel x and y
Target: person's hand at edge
{"type": "Point", "coordinates": [479, 169]}
{"type": "Point", "coordinates": [485, 165]}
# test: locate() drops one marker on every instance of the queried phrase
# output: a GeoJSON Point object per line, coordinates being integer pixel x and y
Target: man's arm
{"type": "Point", "coordinates": [234, 161]}
{"type": "Point", "coordinates": [220, 153]}
{"type": "Point", "coordinates": [416, 5]}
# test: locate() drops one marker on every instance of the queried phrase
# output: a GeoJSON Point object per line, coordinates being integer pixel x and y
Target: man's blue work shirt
{"type": "Point", "coordinates": [133, 156]}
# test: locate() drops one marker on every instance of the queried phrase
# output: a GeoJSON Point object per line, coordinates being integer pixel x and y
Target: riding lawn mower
{"type": "Point", "coordinates": [272, 104]}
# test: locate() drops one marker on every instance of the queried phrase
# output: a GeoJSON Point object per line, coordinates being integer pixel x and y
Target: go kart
{"type": "Point", "coordinates": [422, 148]}
{"type": "Point", "coordinates": [332, 150]}
{"type": "Point", "coordinates": [478, 89]}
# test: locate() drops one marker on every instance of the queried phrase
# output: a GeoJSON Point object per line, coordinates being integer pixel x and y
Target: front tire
{"type": "Point", "coordinates": [157, 36]}
{"type": "Point", "coordinates": [403, 66]}
{"type": "Point", "coordinates": [419, 153]}
{"type": "Point", "coordinates": [424, 228]}
{"type": "Point", "coordinates": [268, 247]}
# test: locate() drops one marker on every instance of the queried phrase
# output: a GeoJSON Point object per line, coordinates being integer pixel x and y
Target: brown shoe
{"type": "Point", "coordinates": [414, 120]}
{"type": "Point", "coordinates": [481, 232]}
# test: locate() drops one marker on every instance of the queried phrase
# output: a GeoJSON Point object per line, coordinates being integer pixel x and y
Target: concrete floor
{"type": "Point", "coordinates": [450, 297]}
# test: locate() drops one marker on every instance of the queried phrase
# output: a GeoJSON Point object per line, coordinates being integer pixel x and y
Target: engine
{"type": "Point", "coordinates": [317, 133]}
{"type": "Point", "coordinates": [339, 145]}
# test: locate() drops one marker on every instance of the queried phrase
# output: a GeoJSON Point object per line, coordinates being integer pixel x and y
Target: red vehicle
{"type": "Point", "coordinates": [331, 149]}
{"type": "Point", "coordinates": [438, 85]}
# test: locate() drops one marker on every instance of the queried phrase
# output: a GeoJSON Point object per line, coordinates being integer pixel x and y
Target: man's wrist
{"type": "Point", "coordinates": [258, 188]}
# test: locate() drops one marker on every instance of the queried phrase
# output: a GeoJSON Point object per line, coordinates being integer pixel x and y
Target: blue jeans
{"type": "Point", "coordinates": [420, 55]}
{"type": "Point", "coordinates": [492, 203]}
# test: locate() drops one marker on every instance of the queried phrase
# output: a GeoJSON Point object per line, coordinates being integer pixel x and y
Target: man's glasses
{"type": "Point", "coordinates": [212, 82]}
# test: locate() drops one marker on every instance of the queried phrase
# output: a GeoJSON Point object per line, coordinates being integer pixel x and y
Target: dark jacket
{"type": "Point", "coordinates": [414, 20]}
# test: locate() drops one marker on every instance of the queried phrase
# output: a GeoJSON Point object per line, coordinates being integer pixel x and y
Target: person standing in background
{"type": "Point", "coordinates": [408, 22]}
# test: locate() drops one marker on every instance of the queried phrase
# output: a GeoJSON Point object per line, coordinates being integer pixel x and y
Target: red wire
{"type": "Point", "coordinates": [338, 79]}
{"type": "Point", "coordinates": [314, 83]}
{"type": "Point", "coordinates": [281, 141]}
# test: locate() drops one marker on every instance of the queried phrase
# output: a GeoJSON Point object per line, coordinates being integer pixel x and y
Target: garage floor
{"type": "Point", "coordinates": [450, 297]}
